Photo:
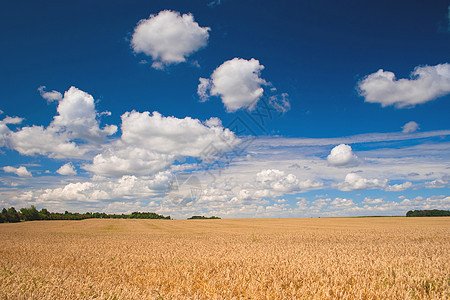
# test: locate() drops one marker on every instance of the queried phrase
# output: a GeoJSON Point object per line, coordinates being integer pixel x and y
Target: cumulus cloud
{"type": "Point", "coordinates": [343, 156]}
{"type": "Point", "coordinates": [20, 171]}
{"type": "Point", "coordinates": [341, 203]}
{"type": "Point", "coordinates": [78, 117]}
{"type": "Point", "coordinates": [354, 182]}
{"type": "Point", "coordinates": [11, 120]}
{"type": "Point", "coordinates": [203, 89]}
{"type": "Point", "coordinates": [310, 184]}
{"type": "Point", "coordinates": [67, 169]}
{"type": "Point", "coordinates": [372, 201]}
{"type": "Point", "coordinates": [278, 181]}
{"type": "Point", "coordinates": [126, 187]}
{"type": "Point", "coordinates": [399, 187]}
{"type": "Point", "coordinates": [151, 143]}
{"type": "Point", "coordinates": [5, 132]}
{"type": "Point", "coordinates": [168, 37]}
{"type": "Point", "coordinates": [76, 120]}
{"type": "Point", "coordinates": [174, 136]}
{"type": "Point", "coordinates": [45, 141]}
{"type": "Point", "coordinates": [237, 82]}
{"type": "Point", "coordinates": [49, 96]}
{"type": "Point", "coordinates": [410, 127]}
{"type": "Point", "coordinates": [129, 160]}
{"type": "Point", "coordinates": [426, 84]}
{"type": "Point", "coordinates": [436, 184]}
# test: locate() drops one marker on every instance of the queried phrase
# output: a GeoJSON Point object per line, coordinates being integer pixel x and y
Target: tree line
{"type": "Point", "coordinates": [11, 215]}
{"type": "Point", "coordinates": [428, 213]}
{"type": "Point", "coordinates": [202, 218]}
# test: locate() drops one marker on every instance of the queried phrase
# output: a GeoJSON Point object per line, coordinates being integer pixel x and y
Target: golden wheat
{"type": "Point", "coordinates": [347, 258]}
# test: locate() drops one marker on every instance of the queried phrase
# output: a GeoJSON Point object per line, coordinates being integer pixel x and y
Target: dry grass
{"type": "Point", "coordinates": [363, 258]}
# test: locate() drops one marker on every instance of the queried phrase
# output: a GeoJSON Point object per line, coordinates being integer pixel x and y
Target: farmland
{"type": "Point", "coordinates": [403, 258]}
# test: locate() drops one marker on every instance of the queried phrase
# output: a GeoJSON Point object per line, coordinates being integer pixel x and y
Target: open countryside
{"type": "Point", "coordinates": [318, 258]}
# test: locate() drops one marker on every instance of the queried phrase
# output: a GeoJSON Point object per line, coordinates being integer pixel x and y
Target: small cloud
{"type": "Point", "coordinates": [239, 85]}
{"type": "Point", "coordinates": [410, 127]}
{"type": "Point", "coordinates": [20, 171]}
{"type": "Point", "coordinates": [214, 3]}
{"type": "Point", "coordinates": [343, 156]}
{"type": "Point", "coordinates": [368, 200]}
{"type": "Point", "coordinates": [426, 84]}
{"type": "Point", "coordinates": [67, 169]}
{"type": "Point", "coordinates": [354, 182]}
{"type": "Point", "coordinates": [11, 120]}
{"type": "Point", "coordinates": [50, 96]}
{"type": "Point", "coordinates": [398, 187]}
{"type": "Point", "coordinates": [436, 184]}
{"type": "Point", "coordinates": [203, 89]}
{"type": "Point", "coordinates": [169, 38]}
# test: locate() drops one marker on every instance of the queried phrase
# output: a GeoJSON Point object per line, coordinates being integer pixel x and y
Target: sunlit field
{"type": "Point", "coordinates": [363, 258]}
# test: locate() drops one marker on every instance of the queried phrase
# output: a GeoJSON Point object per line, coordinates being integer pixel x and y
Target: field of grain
{"type": "Point", "coordinates": [363, 258]}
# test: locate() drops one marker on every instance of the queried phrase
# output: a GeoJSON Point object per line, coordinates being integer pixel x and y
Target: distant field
{"type": "Point", "coordinates": [403, 258]}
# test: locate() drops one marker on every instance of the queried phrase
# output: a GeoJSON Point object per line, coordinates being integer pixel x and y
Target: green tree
{"type": "Point", "coordinates": [13, 215]}
{"type": "Point", "coordinates": [30, 214]}
{"type": "Point", "coordinates": [4, 216]}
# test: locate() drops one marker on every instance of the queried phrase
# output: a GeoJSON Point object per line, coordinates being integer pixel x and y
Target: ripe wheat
{"type": "Point", "coordinates": [346, 258]}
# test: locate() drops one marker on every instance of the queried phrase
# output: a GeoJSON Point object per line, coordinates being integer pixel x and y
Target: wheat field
{"type": "Point", "coordinates": [324, 258]}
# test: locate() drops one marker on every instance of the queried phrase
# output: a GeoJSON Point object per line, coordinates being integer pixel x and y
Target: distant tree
{"type": "Point", "coordinates": [44, 214]}
{"type": "Point", "coordinates": [428, 213]}
{"type": "Point", "coordinates": [202, 218]}
{"type": "Point", "coordinates": [4, 216]}
{"type": "Point", "coordinates": [30, 214]}
{"type": "Point", "coordinates": [12, 215]}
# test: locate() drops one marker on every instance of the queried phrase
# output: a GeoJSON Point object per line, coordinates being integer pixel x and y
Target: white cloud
{"type": "Point", "coordinates": [237, 82]}
{"type": "Point", "coordinates": [354, 182]}
{"type": "Point", "coordinates": [45, 141]}
{"type": "Point", "coordinates": [151, 143]}
{"type": "Point", "coordinates": [310, 184]}
{"type": "Point", "coordinates": [76, 120]}
{"type": "Point", "coordinates": [78, 117]}
{"type": "Point", "coordinates": [11, 120]}
{"type": "Point", "coordinates": [399, 187]}
{"type": "Point", "coordinates": [101, 189]}
{"type": "Point", "coordinates": [410, 127]}
{"type": "Point", "coordinates": [20, 171]}
{"type": "Point", "coordinates": [341, 203]}
{"type": "Point", "coordinates": [372, 201]}
{"type": "Point", "coordinates": [426, 84]}
{"type": "Point", "coordinates": [174, 136]}
{"type": "Point", "coordinates": [343, 156]}
{"type": "Point", "coordinates": [277, 180]}
{"type": "Point", "coordinates": [49, 96]}
{"type": "Point", "coordinates": [5, 132]}
{"type": "Point", "coordinates": [67, 169]}
{"type": "Point", "coordinates": [169, 38]}
{"type": "Point", "coordinates": [129, 160]}
{"type": "Point", "coordinates": [203, 89]}
{"type": "Point", "coordinates": [436, 184]}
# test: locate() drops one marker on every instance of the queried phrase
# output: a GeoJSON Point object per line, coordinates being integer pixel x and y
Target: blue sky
{"type": "Point", "coordinates": [116, 106]}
